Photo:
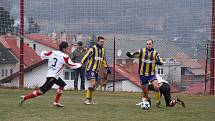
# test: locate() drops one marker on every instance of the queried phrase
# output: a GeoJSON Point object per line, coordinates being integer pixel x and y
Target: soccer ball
{"type": "Point", "coordinates": [145, 105]}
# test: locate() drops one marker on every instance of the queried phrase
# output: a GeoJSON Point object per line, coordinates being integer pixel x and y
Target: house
{"type": "Point", "coordinates": [35, 69]}
{"type": "Point", "coordinates": [10, 50]}
{"type": "Point", "coordinates": [8, 63]}
{"type": "Point", "coordinates": [170, 70]}
{"type": "Point", "coordinates": [191, 70]}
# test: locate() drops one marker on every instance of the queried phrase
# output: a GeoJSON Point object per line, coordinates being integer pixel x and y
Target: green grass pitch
{"type": "Point", "coordinates": [119, 106]}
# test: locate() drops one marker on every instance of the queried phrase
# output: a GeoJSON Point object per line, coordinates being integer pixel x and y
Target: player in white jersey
{"type": "Point", "coordinates": [56, 62]}
{"type": "Point", "coordinates": [164, 88]}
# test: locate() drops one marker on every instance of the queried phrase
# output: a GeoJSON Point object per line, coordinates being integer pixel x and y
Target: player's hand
{"type": "Point", "coordinates": [108, 71]}
{"type": "Point", "coordinates": [129, 54]}
{"type": "Point", "coordinates": [159, 63]}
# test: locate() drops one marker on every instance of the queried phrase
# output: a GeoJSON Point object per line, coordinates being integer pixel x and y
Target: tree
{"type": "Point", "coordinates": [33, 26]}
{"type": "Point", "coordinates": [91, 41]}
{"type": "Point", "coordinates": [6, 22]}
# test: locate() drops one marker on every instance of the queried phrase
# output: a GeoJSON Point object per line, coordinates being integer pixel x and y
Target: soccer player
{"type": "Point", "coordinates": [148, 59]}
{"type": "Point", "coordinates": [95, 58]}
{"type": "Point", "coordinates": [56, 62]}
{"type": "Point", "coordinates": [165, 91]}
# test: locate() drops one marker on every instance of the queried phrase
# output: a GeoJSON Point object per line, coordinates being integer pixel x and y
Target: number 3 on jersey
{"type": "Point", "coordinates": [54, 62]}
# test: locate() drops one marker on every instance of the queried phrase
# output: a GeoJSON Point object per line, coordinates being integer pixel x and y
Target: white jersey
{"type": "Point", "coordinates": [160, 79]}
{"type": "Point", "coordinates": [56, 62]}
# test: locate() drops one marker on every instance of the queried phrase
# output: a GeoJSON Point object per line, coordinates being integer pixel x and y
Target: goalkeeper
{"type": "Point", "coordinates": [165, 91]}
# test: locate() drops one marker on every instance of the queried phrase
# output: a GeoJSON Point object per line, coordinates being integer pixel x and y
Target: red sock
{"type": "Point", "coordinates": [58, 94]}
{"type": "Point", "coordinates": [32, 94]}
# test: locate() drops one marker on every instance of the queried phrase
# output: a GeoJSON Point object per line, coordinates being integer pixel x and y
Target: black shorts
{"type": "Point", "coordinates": [50, 81]}
{"type": "Point", "coordinates": [164, 88]}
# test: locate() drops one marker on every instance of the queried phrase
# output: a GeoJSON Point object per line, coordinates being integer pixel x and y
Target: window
{"type": "Point", "coordinates": [11, 71]}
{"type": "Point", "coordinates": [66, 75]}
{"type": "Point", "coordinates": [2, 72]}
{"type": "Point", "coordinates": [5, 72]}
{"type": "Point", "coordinates": [160, 70]}
{"type": "Point", "coordinates": [34, 46]}
{"type": "Point", "coordinates": [69, 75]}
{"type": "Point", "coordinates": [72, 75]}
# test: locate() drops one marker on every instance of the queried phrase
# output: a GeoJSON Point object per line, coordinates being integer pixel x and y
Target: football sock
{"type": "Point", "coordinates": [144, 99]}
{"type": "Point", "coordinates": [157, 97]}
{"type": "Point", "coordinates": [88, 94]}
{"type": "Point", "coordinates": [145, 93]}
{"type": "Point", "coordinates": [33, 94]}
{"type": "Point", "coordinates": [58, 94]}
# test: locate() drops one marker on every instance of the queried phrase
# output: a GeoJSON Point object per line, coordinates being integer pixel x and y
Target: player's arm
{"type": "Point", "coordinates": [45, 54]}
{"type": "Point", "coordinates": [104, 62]}
{"type": "Point", "coordinates": [134, 54]}
{"type": "Point", "coordinates": [87, 55]}
{"type": "Point", "coordinates": [69, 63]}
{"type": "Point", "coordinates": [73, 55]}
{"type": "Point", "coordinates": [159, 60]}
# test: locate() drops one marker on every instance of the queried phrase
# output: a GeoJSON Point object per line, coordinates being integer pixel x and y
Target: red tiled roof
{"type": "Point", "coordinates": [195, 88]}
{"type": "Point", "coordinates": [186, 60]}
{"type": "Point", "coordinates": [173, 88]}
{"type": "Point", "coordinates": [133, 76]}
{"type": "Point", "coordinates": [45, 40]}
{"type": "Point", "coordinates": [30, 56]}
{"type": "Point", "coordinates": [125, 73]}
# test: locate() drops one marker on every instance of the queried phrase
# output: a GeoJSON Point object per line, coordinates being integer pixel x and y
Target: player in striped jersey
{"type": "Point", "coordinates": [56, 62]}
{"type": "Point", "coordinates": [148, 59]}
{"type": "Point", "coordinates": [94, 59]}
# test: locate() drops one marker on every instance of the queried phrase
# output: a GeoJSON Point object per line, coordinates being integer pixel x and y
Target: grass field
{"type": "Point", "coordinates": [111, 107]}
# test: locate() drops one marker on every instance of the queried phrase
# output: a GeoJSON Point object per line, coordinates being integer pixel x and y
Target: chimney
{"type": "Point", "coordinates": [53, 37]}
{"type": "Point", "coordinates": [18, 41]}
{"type": "Point", "coordinates": [63, 36]}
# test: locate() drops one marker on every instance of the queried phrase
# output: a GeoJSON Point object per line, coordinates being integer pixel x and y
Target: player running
{"type": "Point", "coordinates": [56, 62]}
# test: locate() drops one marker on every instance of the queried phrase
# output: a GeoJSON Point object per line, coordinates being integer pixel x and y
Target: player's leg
{"type": "Point", "coordinates": [105, 83]}
{"type": "Point", "coordinates": [82, 76]}
{"type": "Point", "coordinates": [157, 91]}
{"type": "Point", "coordinates": [43, 89]}
{"type": "Point", "coordinates": [76, 75]}
{"type": "Point", "coordinates": [92, 77]}
{"type": "Point", "coordinates": [144, 87]}
{"type": "Point", "coordinates": [165, 90]}
{"type": "Point", "coordinates": [59, 92]}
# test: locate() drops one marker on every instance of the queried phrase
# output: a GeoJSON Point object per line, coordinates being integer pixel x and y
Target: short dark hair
{"type": "Point", "coordinates": [80, 43]}
{"type": "Point", "coordinates": [63, 45]}
{"type": "Point", "coordinates": [100, 37]}
{"type": "Point", "coordinates": [150, 40]}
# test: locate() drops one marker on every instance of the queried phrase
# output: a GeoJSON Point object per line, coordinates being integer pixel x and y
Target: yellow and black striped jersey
{"type": "Point", "coordinates": [95, 57]}
{"type": "Point", "coordinates": [148, 59]}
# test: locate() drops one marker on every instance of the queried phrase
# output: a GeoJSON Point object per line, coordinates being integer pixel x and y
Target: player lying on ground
{"type": "Point", "coordinates": [56, 62]}
{"type": "Point", "coordinates": [164, 88]}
